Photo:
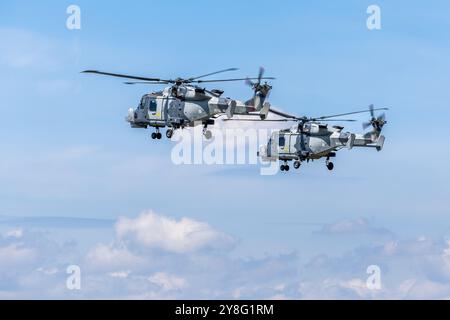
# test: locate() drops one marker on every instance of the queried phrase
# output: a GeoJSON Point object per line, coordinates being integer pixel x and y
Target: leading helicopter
{"type": "Point", "coordinates": [312, 139]}
{"type": "Point", "coordinates": [183, 103]}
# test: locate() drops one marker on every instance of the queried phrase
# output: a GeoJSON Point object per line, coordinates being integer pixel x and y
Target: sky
{"type": "Point", "coordinates": [78, 186]}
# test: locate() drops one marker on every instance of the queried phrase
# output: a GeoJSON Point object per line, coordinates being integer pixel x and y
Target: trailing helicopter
{"type": "Point", "coordinates": [185, 104]}
{"type": "Point", "coordinates": [312, 139]}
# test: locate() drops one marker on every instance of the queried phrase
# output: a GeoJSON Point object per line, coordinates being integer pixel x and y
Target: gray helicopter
{"type": "Point", "coordinates": [312, 139]}
{"type": "Point", "coordinates": [185, 104]}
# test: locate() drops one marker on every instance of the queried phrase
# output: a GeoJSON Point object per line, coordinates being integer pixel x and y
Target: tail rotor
{"type": "Point", "coordinates": [376, 122]}
{"type": "Point", "coordinates": [261, 90]}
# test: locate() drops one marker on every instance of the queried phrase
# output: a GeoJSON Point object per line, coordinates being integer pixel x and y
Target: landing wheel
{"type": "Point", "coordinates": [158, 135]}
{"type": "Point", "coordinates": [297, 164]}
{"type": "Point", "coordinates": [169, 133]}
{"type": "Point", "coordinates": [154, 135]}
{"type": "Point", "coordinates": [330, 166]}
{"type": "Point", "coordinates": [207, 134]}
{"type": "Point", "coordinates": [284, 167]}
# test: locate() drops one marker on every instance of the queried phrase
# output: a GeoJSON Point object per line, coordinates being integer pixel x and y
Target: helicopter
{"type": "Point", "coordinates": [183, 103]}
{"type": "Point", "coordinates": [312, 139]}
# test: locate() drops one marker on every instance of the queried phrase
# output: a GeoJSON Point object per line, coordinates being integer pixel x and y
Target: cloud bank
{"type": "Point", "coordinates": [154, 256]}
{"type": "Point", "coordinates": [184, 236]}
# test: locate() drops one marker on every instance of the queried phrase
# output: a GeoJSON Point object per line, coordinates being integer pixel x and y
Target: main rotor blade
{"type": "Point", "coordinates": [213, 73]}
{"type": "Point", "coordinates": [349, 113]}
{"type": "Point", "coordinates": [146, 82]}
{"type": "Point", "coordinates": [118, 75]}
{"type": "Point", "coordinates": [337, 120]}
{"type": "Point", "coordinates": [283, 114]}
{"type": "Point", "coordinates": [226, 80]}
{"type": "Point", "coordinates": [259, 120]}
{"type": "Point", "coordinates": [286, 120]}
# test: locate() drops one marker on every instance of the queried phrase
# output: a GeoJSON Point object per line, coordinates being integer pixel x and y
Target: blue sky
{"type": "Point", "coordinates": [70, 165]}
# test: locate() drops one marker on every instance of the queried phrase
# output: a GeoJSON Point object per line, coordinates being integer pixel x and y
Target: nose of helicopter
{"type": "Point", "coordinates": [130, 116]}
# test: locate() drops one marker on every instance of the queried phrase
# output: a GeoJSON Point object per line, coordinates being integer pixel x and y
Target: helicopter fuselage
{"type": "Point", "coordinates": [183, 107]}
{"type": "Point", "coordinates": [314, 141]}
{"type": "Point", "coordinates": [184, 103]}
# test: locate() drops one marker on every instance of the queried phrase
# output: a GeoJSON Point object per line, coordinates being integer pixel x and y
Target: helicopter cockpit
{"type": "Point", "coordinates": [146, 109]}
{"type": "Point", "coordinates": [148, 103]}
{"type": "Point", "coordinates": [142, 103]}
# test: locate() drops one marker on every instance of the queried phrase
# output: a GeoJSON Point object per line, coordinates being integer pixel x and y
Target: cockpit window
{"type": "Point", "coordinates": [153, 106]}
{"type": "Point", "coordinates": [143, 100]}
{"type": "Point", "coordinates": [307, 127]}
{"type": "Point", "coordinates": [281, 141]}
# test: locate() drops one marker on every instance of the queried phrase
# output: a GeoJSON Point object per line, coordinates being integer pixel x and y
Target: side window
{"type": "Point", "coordinates": [282, 141]}
{"type": "Point", "coordinates": [152, 105]}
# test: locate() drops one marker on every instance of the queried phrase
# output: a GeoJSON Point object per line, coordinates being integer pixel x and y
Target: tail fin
{"type": "Point", "coordinates": [231, 108]}
{"type": "Point", "coordinates": [380, 143]}
{"type": "Point", "coordinates": [264, 110]}
{"type": "Point", "coordinates": [351, 141]}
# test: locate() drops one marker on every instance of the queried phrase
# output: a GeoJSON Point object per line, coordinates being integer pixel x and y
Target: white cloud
{"type": "Point", "coordinates": [49, 271]}
{"type": "Point", "coordinates": [33, 266]}
{"type": "Point", "coordinates": [353, 226]}
{"type": "Point", "coordinates": [14, 233]}
{"type": "Point", "coordinates": [427, 289]}
{"type": "Point", "coordinates": [167, 281]}
{"type": "Point", "coordinates": [186, 235]}
{"type": "Point", "coordinates": [16, 254]}
{"type": "Point", "coordinates": [112, 257]}
{"type": "Point", "coordinates": [120, 274]}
